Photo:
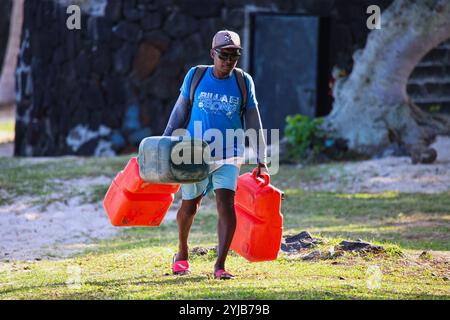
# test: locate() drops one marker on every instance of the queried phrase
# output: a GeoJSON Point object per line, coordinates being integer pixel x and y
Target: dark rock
{"type": "Point", "coordinates": [174, 57]}
{"type": "Point", "coordinates": [101, 60]}
{"type": "Point", "coordinates": [341, 278]}
{"type": "Point", "coordinates": [123, 58]}
{"type": "Point", "coordinates": [290, 248]}
{"type": "Point", "coordinates": [208, 28]}
{"type": "Point", "coordinates": [129, 5]}
{"type": "Point", "coordinates": [113, 10]}
{"type": "Point", "coordinates": [359, 246]}
{"type": "Point", "coordinates": [59, 56]}
{"type": "Point", "coordinates": [423, 155]}
{"type": "Point", "coordinates": [92, 97]}
{"type": "Point", "coordinates": [87, 148]}
{"type": "Point", "coordinates": [133, 14]}
{"type": "Point", "coordinates": [117, 140]}
{"type": "Point", "coordinates": [131, 121]}
{"type": "Point", "coordinates": [151, 107]}
{"type": "Point", "coordinates": [128, 31]}
{"type": "Point", "coordinates": [200, 251]}
{"type": "Point", "coordinates": [151, 21]}
{"type": "Point", "coordinates": [115, 91]}
{"type": "Point", "coordinates": [146, 60]}
{"type": "Point", "coordinates": [315, 7]}
{"type": "Point", "coordinates": [104, 30]}
{"type": "Point", "coordinates": [300, 241]}
{"type": "Point", "coordinates": [43, 53]}
{"type": "Point", "coordinates": [112, 120]}
{"type": "Point", "coordinates": [201, 8]}
{"type": "Point", "coordinates": [149, 5]}
{"type": "Point", "coordinates": [95, 120]}
{"type": "Point", "coordinates": [179, 25]}
{"type": "Point", "coordinates": [157, 39]}
{"type": "Point", "coordinates": [137, 136]}
{"type": "Point", "coordinates": [83, 65]}
{"type": "Point", "coordinates": [214, 249]}
{"type": "Point", "coordinates": [235, 19]}
{"type": "Point", "coordinates": [193, 46]}
{"type": "Point", "coordinates": [129, 150]}
{"type": "Point", "coordinates": [162, 84]}
{"type": "Point", "coordinates": [5, 15]}
{"type": "Point", "coordinates": [234, 3]}
{"type": "Point", "coordinates": [304, 235]}
{"type": "Point", "coordinates": [312, 255]}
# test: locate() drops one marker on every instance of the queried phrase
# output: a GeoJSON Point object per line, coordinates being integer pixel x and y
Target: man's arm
{"type": "Point", "coordinates": [253, 121]}
{"type": "Point", "coordinates": [179, 115]}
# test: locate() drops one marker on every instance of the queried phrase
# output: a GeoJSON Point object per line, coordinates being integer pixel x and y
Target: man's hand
{"type": "Point", "coordinates": [262, 167]}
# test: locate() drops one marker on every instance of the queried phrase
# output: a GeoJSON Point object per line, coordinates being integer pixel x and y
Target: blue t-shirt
{"type": "Point", "coordinates": [217, 105]}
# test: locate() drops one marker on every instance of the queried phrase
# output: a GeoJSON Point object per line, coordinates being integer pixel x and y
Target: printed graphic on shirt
{"type": "Point", "coordinates": [218, 103]}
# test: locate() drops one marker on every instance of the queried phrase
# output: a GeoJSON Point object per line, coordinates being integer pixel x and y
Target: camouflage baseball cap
{"type": "Point", "coordinates": [226, 39]}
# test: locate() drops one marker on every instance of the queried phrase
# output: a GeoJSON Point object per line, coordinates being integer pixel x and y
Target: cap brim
{"type": "Point", "coordinates": [231, 46]}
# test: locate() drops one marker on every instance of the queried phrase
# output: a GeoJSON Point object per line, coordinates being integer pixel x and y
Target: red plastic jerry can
{"type": "Point", "coordinates": [259, 222]}
{"type": "Point", "coordinates": [130, 201]}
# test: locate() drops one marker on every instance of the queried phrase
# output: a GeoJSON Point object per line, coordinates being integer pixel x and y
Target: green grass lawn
{"type": "Point", "coordinates": [7, 130]}
{"type": "Point", "coordinates": [136, 264]}
{"type": "Point", "coordinates": [7, 126]}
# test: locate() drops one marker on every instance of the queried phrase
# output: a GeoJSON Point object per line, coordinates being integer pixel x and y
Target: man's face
{"type": "Point", "coordinates": [225, 60]}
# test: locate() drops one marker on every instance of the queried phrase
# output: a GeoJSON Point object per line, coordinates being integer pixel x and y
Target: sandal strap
{"type": "Point", "coordinates": [222, 274]}
{"type": "Point", "coordinates": [180, 266]}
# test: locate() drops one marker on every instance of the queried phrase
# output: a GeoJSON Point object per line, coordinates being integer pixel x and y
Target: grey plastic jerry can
{"type": "Point", "coordinates": [171, 159]}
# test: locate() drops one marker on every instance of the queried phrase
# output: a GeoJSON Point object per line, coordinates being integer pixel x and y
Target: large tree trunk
{"type": "Point", "coordinates": [7, 78]}
{"type": "Point", "coordinates": [372, 109]}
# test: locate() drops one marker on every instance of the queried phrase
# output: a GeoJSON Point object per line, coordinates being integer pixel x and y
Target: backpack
{"type": "Point", "coordinates": [199, 73]}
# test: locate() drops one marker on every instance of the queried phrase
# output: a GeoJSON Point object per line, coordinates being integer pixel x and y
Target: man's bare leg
{"type": "Point", "coordinates": [226, 224]}
{"type": "Point", "coordinates": [185, 217]}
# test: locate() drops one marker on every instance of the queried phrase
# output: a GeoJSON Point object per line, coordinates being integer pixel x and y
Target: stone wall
{"type": "Point", "coordinates": [5, 14]}
{"type": "Point", "coordinates": [101, 89]}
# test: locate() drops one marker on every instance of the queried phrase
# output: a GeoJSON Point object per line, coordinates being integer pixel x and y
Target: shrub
{"type": "Point", "coordinates": [304, 137]}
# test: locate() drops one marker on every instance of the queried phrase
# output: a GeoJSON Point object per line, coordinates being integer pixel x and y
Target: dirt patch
{"type": "Point", "coordinates": [390, 174]}
{"type": "Point", "coordinates": [6, 149]}
{"type": "Point", "coordinates": [60, 230]}
{"type": "Point", "coordinates": [65, 226]}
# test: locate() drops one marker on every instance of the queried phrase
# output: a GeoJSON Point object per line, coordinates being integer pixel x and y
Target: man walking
{"type": "Point", "coordinates": [220, 97]}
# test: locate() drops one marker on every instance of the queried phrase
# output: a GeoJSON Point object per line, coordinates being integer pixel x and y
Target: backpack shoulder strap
{"type": "Point", "coordinates": [242, 84]}
{"type": "Point", "coordinates": [199, 72]}
{"type": "Point", "coordinates": [196, 78]}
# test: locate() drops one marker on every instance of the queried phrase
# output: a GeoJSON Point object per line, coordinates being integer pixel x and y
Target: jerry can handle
{"type": "Point", "coordinates": [263, 175]}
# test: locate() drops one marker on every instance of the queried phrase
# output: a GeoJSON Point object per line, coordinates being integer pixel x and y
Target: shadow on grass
{"type": "Point", "coordinates": [418, 222]}
{"type": "Point", "coordinates": [414, 221]}
{"type": "Point", "coordinates": [137, 288]}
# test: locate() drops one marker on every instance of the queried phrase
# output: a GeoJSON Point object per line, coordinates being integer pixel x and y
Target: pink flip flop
{"type": "Point", "coordinates": [180, 267]}
{"type": "Point", "coordinates": [221, 274]}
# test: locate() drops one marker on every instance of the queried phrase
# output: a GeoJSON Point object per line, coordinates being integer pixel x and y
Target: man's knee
{"type": "Point", "coordinates": [192, 206]}
{"type": "Point", "coordinates": [225, 199]}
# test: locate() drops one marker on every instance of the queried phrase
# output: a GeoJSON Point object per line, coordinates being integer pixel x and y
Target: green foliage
{"type": "Point", "coordinates": [435, 108]}
{"type": "Point", "coordinates": [304, 136]}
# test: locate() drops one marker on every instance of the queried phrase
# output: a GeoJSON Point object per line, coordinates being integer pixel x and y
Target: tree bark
{"type": "Point", "coordinates": [7, 78]}
{"type": "Point", "coordinates": [372, 110]}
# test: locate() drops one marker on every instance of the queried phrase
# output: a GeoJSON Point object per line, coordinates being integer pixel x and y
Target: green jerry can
{"type": "Point", "coordinates": [173, 159]}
